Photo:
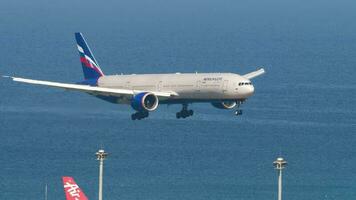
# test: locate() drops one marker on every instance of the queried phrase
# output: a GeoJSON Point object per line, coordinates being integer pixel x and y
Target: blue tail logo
{"type": "Point", "coordinates": [90, 66]}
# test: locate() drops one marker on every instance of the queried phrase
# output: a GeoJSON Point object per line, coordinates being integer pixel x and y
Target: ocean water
{"type": "Point", "coordinates": [303, 108]}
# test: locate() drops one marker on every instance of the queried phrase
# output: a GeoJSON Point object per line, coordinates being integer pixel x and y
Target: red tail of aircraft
{"type": "Point", "coordinates": [72, 190]}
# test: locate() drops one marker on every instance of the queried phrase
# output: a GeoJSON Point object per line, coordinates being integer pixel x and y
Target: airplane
{"type": "Point", "coordinates": [72, 190]}
{"type": "Point", "coordinates": [144, 92]}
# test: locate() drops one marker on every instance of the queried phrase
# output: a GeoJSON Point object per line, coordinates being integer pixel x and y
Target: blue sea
{"type": "Point", "coordinates": [303, 108]}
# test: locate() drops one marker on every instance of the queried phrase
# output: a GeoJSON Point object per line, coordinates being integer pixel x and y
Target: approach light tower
{"type": "Point", "coordinates": [279, 165]}
{"type": "Point", "coordinates": [101, 155]}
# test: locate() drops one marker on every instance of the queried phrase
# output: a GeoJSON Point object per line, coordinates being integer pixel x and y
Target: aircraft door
{"type": "Point", "coordinates": [159, 86]}
{"type": "Point", "coordinates": [197, 86]}
{"type": "Point", "coordinates": [224, 85]}
{"type": "Point", "coordinates": [128, 85]}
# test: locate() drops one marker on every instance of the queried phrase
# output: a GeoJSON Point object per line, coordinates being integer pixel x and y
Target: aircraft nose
{"type": "Point", "coordinates": [250, 90]}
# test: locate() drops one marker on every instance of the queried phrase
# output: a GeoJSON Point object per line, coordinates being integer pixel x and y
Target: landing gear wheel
{"type": "Point", "coordinates": [184, 113]}
{"type": "Point", "coordinates": [238, 112]}
{"type": "Point", "coordinates": [139, 115]}
{"type": "Point", "coordinates": [178, 115]}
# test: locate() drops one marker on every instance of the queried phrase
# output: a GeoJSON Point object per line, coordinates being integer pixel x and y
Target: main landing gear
{"type": "Point", "coordinates": [238, 110]}
{"type": "Point", "coordinates": [139, 115]}
{"type": "Point", "coordinates": [184, 112]}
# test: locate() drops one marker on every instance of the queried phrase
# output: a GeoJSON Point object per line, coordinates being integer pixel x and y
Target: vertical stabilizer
{"type": "Point", "coordinates": [90, 66]}
{"type": "Point", "coordinates": [72, 190]}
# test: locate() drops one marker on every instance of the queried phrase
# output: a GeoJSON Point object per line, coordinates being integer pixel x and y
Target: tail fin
{"type": "Point", "coordinates": [90, 66]}
{"type": "Point", "coordinates": [72, 190]}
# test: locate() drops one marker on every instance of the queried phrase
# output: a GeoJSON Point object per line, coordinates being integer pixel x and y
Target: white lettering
{"type": "Point", "coordinates": [72, 189]}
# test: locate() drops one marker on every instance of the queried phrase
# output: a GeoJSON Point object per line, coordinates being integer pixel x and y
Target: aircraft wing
{"type": "Point", "coordinates": [254, 74]}
{"type": "Point", "coordinates": [94, 90]}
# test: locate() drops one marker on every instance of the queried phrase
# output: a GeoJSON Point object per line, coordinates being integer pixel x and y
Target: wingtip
{"type": "Point", "coordinates": [261, 70]}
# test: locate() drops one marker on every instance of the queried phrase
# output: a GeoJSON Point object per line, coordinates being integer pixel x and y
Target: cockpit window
{"type": "Point", "coordinates": [245, 83]}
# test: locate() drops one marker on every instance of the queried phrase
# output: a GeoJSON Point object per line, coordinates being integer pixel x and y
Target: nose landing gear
{"type": "Point", "coordinates": [238, 110]}
{"type": "Point", "coordinates": [139, 115]}
{"type": "Point", "coordinates": [184, 112]}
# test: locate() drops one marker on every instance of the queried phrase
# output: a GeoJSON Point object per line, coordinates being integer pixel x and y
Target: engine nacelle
{"type": "Point", "coordinates": [144, 101]}
{"type": "Point", "coordinates": [224, 104]}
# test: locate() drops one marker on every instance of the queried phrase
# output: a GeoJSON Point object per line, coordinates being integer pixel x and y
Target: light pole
{"type": "Point", "coordinates": [101, 155]}
{"type": "Point", "coordinates": [279, 165]}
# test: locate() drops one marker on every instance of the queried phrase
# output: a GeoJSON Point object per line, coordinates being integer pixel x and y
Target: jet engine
{"type": "Point", "coordinates": [144, 101]}
{"type": "Point", "coordinates": [224, 104]}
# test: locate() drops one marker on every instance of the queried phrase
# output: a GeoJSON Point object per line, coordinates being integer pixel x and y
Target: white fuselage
{"type": "Point", "coordinates": [193, 87]}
